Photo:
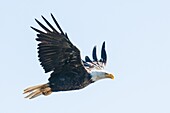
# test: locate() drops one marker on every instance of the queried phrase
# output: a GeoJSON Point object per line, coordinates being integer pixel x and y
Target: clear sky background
{"type": "Point", "coordinates": [137, 35]}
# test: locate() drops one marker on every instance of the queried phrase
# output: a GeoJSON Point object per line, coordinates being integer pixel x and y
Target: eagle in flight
{"type": "Point", "coordinates": [60, 57]}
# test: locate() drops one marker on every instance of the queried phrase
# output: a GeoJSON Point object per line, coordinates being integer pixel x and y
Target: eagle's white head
{"type": "Point", "coordinates": [99, 74]}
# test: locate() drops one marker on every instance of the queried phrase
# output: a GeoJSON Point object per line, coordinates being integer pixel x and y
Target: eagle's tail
{"type": "Point", "coordinates": [37, 90]}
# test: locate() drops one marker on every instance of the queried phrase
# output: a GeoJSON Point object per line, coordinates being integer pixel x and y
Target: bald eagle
{"type": "Point", "coordinates": [60, 57]}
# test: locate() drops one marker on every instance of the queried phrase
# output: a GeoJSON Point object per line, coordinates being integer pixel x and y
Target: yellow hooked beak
{"type": "Point", "coordinates": [110, 76]}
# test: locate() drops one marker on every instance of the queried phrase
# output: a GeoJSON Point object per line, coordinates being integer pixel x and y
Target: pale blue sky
{"type": "Point", "coordinates": [137, 35]}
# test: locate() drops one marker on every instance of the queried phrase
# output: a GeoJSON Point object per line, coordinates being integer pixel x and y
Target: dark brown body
{"type": "Point", "coordinates": [70, 81]}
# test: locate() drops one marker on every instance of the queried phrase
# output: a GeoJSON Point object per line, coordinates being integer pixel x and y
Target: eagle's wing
{"type": "Point", "coordinates": [96, 64]}
{"type": "Point", "coordinates": [56, 52]}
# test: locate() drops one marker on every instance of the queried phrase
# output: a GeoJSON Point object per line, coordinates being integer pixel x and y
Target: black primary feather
{"type": "Point", "coordinates": [46, 29]}
{"type": "Point", "coordinates": [58, 26]}
{"type": "Point", "coordinates": [103, 54]}
{"type": "Point", "coordinates": [94, 55]}
{"type": "Point", "coordinates": [87, 59]}
{"type": "Point", "coordinates": [49, 25]}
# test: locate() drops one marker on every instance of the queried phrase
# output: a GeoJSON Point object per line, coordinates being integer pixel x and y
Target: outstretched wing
{"type": "Point", "coordinates": [56, 52]}
{"type": "Point", "coordinates": [96, 64]}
